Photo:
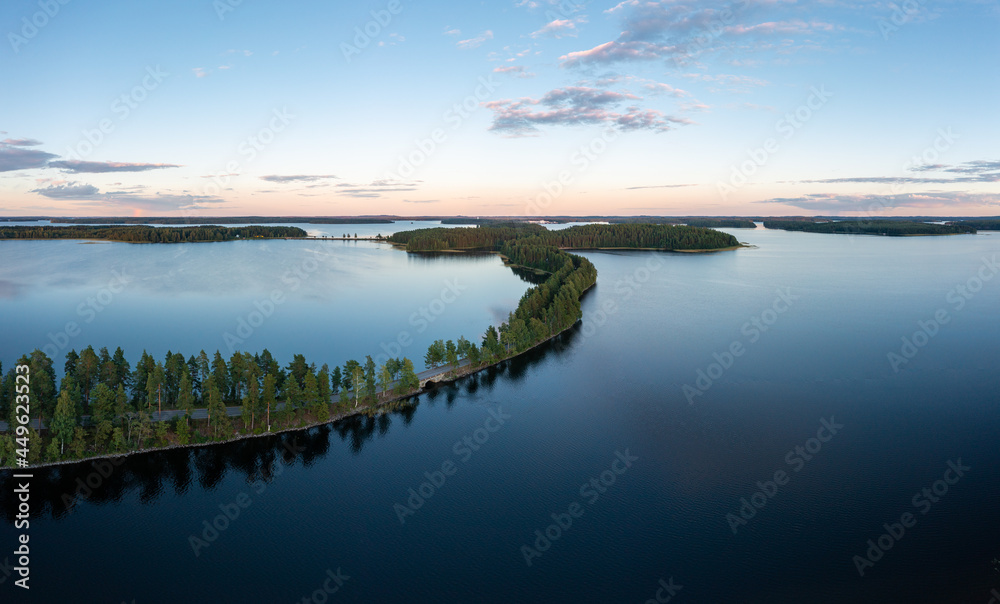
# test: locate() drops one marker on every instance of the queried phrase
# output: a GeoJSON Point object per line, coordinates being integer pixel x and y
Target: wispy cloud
{"type": "Point", "coordinates": [68, 191]}
{"type": "Point", "coordinates": [97, 167]}
{"type": "Point", "coordinates": [658, 187]}
{"type": "Point", "coordinates": [477, 41]}
{"type": "Point", "coordinates": [575, 105]}
{"type": "Point", "coordinates": [679, 32]}
{"type": "Point", "coordinates": [88, 195]}
{"type": "Point", "coordinates": [558, 28]}
{"type": "Point", "coordinates": [13, 155]}
{"type": "Point", "coordinates": [515, 70]}
{"type": "Point", "coordinates": [375, 188]}
{"type": "Point", "coordinates": [296, 177]}
{"type": "Point", "coordinates": [21, 142]}
{"type": "Point", "coordinates": [972, 171]}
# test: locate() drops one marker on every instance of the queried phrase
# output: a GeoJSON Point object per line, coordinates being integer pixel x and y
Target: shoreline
{"type": "Point", "coordinates": [442, 378]}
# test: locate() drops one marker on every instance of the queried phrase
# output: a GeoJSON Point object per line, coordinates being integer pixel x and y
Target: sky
{"type": "Point", "coordinates": [509, 107]}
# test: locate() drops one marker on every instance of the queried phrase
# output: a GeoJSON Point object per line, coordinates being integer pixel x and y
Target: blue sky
{"type": "Point", "coordinates": [515, 107]}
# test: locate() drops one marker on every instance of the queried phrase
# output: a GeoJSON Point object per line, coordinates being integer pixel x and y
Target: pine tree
{"type": "Point", "coordinates": [370, 378]}
{"type": "Point", "coordinates": [218, 421]}
{"type": "Point", "coordinates": [335, 380]}
{"type": "Point", "coordinates": [408, 380]}
{"type": "Point", "coordinates": [269, 396]}
{"type": "Point", "coordinates": [251, 404]}
{"type": "Point", "coordinates": [384, 379]}
{"type": "Point", "coordinates": [154, 388]}
{"type": "Point", "coordinates": [79, 445]}
{"type": "Point", "coordinates": [183, 432]}
{"type": "Point", "coordinates": [64, 420]}
{"type": "Point", "coordinates": [451, 355]}
{"type": "Point", "coordinates": [102, 434]}
{"type": "Point", "coordinates": [185, 397]}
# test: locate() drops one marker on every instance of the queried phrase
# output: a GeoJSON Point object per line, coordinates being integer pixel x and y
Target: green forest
{"type": "Point", "coordinates": [103, 405]}
{"type": "Point", "coordinates": [983, 224]}
{"type": "Point", "coordinates": [148, 234]}
{"type": "Point", "coordinates": [890, 228]}
{"type": "Point", "coordinates": [591, 236]}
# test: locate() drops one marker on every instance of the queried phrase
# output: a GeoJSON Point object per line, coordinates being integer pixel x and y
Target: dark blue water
{"type": "Point", "coordinates": [326, 499]}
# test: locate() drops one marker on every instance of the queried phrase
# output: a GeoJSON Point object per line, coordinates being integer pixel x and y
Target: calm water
{"type": "Point", "coordinates": [325, 499]}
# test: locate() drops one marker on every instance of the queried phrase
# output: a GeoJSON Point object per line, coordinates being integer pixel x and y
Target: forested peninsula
{"type": "Point", "coordinates": [148, 234]}
{"type": "Point", "coordinates": [104, 406]}
{"type": "Point", "coordinates": [889, 228]}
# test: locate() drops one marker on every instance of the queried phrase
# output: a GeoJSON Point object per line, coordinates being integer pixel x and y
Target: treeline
{"type": "Point", "coordinates": [202, 220]}
{"type": "Point", "coordinates": [890, 228]}
{"type": "Point", "coordinates": [148, 234]}
{"type": "Point", "coordinates": [543, 311]}
{"type": "Point", "coordinates": [490, 237]}
{"type": "Point", "coordinates": [985, 224]}
{"type": "Point", "coordinates": [591, 236]}
{"type": "Point", "coordinates": [721, 223]}
{"type": "Point", "coordinates": [649, 236]}
{"type": "Point", "coordinates": [103, 405]}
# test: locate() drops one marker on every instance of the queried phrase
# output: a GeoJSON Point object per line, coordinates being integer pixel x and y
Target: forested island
{"type": "Point", "coordinates": [985, 224]}
{"type": "Point", "coordinates": [889, 228]}
{"type": "Point", "coordinates": [104, 406]}
{"type": "Point", "coordinates": [501, 236]}
{"type": "Point", "coordinates": [148, 234]}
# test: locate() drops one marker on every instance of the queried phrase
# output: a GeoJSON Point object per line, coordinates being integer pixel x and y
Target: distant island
{"type": "Point", "coordinates": [147, 234]}
{"type": "Point", "coordinates": [987, 224]}
{"type": "Point", "coordinates": [889, 228]}
{"type": "Point", "coordinates": [193, 220]}
{"type": "Point", "coordinates": [709, 222]}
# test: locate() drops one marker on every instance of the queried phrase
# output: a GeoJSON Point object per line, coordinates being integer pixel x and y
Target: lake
{"type": "Point", "coordinates": [726, 427]}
